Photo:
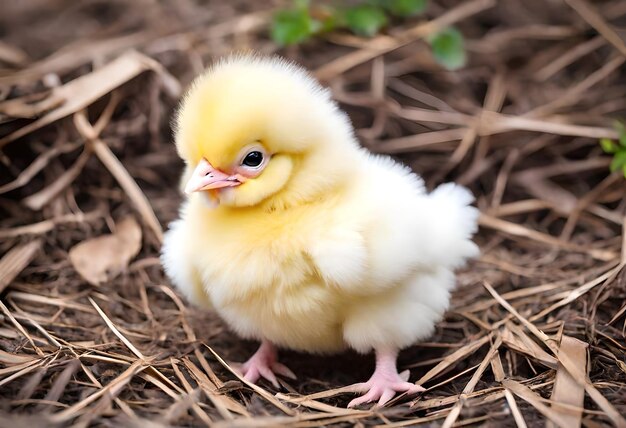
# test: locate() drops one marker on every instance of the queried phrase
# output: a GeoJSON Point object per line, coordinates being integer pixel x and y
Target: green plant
{"type": "Point", "coordinates": [617, 149]}
{"type": "Point", "coordinates": [405, 7]}
{"type": "Point", "coordinates": [365, 19]}
{"type": "Point", "coordinates": [448, 48]}
{"type": "Point", "coordinates": [293, 26]}
{"type": "Point", "coordinates": [301, 22]}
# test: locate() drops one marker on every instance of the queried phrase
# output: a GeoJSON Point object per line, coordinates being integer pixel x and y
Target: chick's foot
{"type": "Point", "coordinates": [385, 382]}
{"type": "Point", "coordinates": [264, 364]}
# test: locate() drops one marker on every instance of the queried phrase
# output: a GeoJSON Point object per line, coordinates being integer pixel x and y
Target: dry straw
{"type": "Point", "coordinates": [535, 334]}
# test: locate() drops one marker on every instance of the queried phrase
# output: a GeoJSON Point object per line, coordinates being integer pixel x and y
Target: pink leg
{"type": "Point", "coordinates": [264, 363]}
{"type": "Point", "coordinates": [385, 382]}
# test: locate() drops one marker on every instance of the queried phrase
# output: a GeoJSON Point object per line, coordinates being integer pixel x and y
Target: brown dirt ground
{"type": "Point", "coordinates": [536, 329]}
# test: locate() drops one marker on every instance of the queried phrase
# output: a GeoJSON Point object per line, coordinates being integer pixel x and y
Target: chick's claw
{"type": "Point", "coordinates": [264, 364]}
{"type": "Point", "coordinates": [385, 383]}
{"type": "Point", "coordinates": [382, 389]}
{"type": "Point", "coordinates": [254, 370]}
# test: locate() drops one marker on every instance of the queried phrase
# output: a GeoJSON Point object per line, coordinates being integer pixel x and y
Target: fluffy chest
{"type": "Point", "coordinates": [264, 283]}
{"type": "Point", "coordinates": [246, 256]}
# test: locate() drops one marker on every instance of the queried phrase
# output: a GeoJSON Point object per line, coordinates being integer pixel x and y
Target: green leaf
{"type": "Point", "coordinates": [290, 27]}
{"type": "Point", "coordinates": [449, 48]}
{"type": "Point", "coordinates": [405, 8]}
{"type": "Point", "coordinates": [608, 145]}
{"type": "Point", "coordinates": [624, 170]}
{"type": "Point", "coordinates": [619, 161]}
{"type": "Point", "coordinates": [365, 20]}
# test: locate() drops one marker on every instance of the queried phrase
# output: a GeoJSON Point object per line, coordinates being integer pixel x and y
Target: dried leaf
{"type": "Point", "coordinates": [515, 338]}
{"type": "Point", "coordinates": [13, 262]}
{"type": "Point", "coordinates": [9, 358]}
{"type": "Point", "coordinates": [566, 389]}
{"type": "Point", "coordinates": [72, 56]}
{"type": "Point", "coordinates": [84, 90]}
{"type": "Point", "coordinates": [536, 401]}
{"type": "Point", "coordinates": [102, 258]}
{"type": "Point", "coordinates": [12, 55]}
{"type": "Point", "coordinates": [498, 373]}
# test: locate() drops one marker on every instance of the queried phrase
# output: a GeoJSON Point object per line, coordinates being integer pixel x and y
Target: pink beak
{"type": "Point", "coordinates": [205, 177]}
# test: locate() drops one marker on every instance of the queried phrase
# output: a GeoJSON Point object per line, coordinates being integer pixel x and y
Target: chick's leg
{"type": "Point", "coordinates": [264, 364]}
{"type": "Point", "coordinates": [385, 382]}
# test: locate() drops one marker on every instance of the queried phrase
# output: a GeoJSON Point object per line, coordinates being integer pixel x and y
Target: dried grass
{"type": "Point", "coordinates": [536, 332]}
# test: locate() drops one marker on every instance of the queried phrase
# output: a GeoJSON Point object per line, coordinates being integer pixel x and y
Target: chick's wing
{"type": "Point", "coordinates": [389, 227]}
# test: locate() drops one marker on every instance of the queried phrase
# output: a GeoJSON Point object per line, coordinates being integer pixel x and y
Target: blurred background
{"type": "Point", "coordinates": [521, 101]}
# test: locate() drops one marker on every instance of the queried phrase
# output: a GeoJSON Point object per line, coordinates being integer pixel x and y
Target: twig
{"type": "Point", "coordinates": [589, 14]}
{"type": "Point", "coordinates": [382, 44]}
{"type": "Point", "coordinates": [14, 261]}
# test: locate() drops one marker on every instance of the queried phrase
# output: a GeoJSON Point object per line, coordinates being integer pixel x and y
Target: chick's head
{"type": "Point", "coordinates": [261, 131]}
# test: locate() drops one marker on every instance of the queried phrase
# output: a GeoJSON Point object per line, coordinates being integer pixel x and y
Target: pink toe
{"type": "Point", "coordinates": [283, 370]}
{"type": "Point", "coordinates": [263, 364]}
{"type": "Point", "coordinates": [362, 387]}
{"type": "Point", "coordinates": [367, 398]}
{"type": "Point", "coordinates": [408, 387]}
{"type": "Point", "coordinates": [354, 403]}
{"type": "Point", "coordinates": [267, 373]}
{"type": "Point", "coordinates": [416, 389]}
{"type": "Point", "coordinates": [382, 387]}
{"type": "Point", "coordinates": [387, 395]}
{"type": "Point", "coordinates": [405, 375]}
{"type": "Point", "coordinates": [252, 375]}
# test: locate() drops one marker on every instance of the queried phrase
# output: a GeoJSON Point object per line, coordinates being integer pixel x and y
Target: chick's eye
{"type": "Point", "coordinates": [253, 159]}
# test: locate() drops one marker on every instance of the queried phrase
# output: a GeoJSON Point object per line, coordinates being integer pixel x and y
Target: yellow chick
{"type": "Point", "coordinates": [297, 236]}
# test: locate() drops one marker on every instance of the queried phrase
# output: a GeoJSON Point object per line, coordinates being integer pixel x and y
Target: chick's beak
{"type": "Point", "coordinates": [205, 177]}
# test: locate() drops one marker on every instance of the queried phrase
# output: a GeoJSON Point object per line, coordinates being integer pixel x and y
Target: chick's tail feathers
{"type": "Point", "coordinates": [452, 223]}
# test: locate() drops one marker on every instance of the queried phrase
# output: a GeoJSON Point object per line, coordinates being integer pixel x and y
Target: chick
{"type": "Point", "coordinates": [298, 237]}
